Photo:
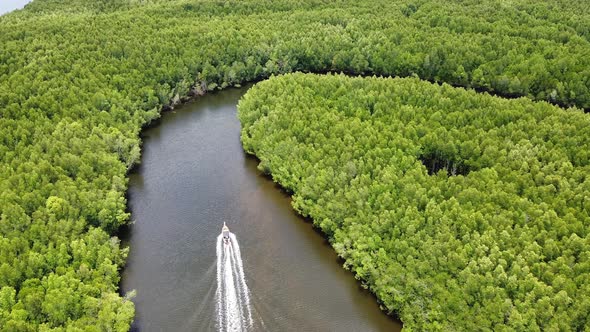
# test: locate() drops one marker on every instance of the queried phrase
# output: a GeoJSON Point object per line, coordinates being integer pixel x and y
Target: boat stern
{"type": "Point", "coordinates": [225, 233]}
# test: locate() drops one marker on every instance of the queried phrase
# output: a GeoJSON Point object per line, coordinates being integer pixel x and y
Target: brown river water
{"type": "Point", "coordinates": [194, 176]}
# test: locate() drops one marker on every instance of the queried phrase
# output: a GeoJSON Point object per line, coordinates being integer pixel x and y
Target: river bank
{"type": "Point", "coordinates": [194, 175]}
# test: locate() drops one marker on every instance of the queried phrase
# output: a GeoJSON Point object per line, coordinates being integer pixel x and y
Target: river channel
{"type": "Point", "coordinates": [194, 176]}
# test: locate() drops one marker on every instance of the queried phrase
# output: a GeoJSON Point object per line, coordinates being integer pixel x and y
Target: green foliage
{"type": "Point", "coordinates": [79, 78]}
{"type": "Point", "coordinates": [504, 247]}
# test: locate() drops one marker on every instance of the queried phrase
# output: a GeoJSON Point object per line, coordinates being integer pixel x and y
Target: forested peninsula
{"type": "Point", "coordinates": [461, 211]}
{"type": "Point", "coordinates": [80, 78]}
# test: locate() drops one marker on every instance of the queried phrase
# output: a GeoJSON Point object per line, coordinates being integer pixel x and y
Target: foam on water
{"type": "Point", "coordinates": [232, 296]}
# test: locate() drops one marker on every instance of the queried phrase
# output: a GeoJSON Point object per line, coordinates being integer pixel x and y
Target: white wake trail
{"type": "Point", "coordinates": [242, 278]}
{"type": "Point", "coordinates": [232, 295]}
{"type": "Point", "coordinates": [219, 292]}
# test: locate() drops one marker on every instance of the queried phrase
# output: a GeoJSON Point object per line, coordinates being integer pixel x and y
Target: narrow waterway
{"type": "Point", "coordinates": [194, 176]}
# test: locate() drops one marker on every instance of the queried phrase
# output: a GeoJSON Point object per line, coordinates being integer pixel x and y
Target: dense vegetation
{"type": "Point", "coordinates": [79, 78]}
{"type": "Point", "coordinates": [504, 247]}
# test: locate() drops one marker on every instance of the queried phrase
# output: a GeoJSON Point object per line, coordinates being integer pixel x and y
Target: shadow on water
{"type": "Point", "coordinates": [194, 176]}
